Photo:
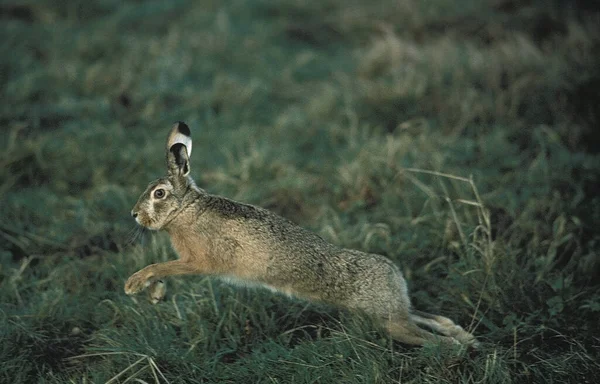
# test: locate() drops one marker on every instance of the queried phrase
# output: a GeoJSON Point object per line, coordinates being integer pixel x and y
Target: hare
{"type": "Point", "coordinates": [243, 243]}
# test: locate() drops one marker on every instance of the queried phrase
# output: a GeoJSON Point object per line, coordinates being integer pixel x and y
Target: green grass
{"type": "Point", "coordinates": [456, 138]}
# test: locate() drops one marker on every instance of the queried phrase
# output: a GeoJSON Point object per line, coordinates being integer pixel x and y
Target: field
{"type": "Point", "coordinates": [457, 138]}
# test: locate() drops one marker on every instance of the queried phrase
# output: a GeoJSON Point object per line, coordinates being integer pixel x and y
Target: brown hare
{"type": "Point", "coordinates": [217, 236]}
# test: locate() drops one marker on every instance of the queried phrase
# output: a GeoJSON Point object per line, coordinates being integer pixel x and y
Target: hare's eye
{"type": "Point", "coordinates": [159, 193]}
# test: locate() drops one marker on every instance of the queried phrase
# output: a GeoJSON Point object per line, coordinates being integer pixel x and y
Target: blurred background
{"type": "Point", "coordinates": [457, 138]}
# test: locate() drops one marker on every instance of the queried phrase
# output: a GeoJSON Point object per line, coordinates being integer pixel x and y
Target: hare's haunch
{"type": "Point", "coordinates": [217, 236]}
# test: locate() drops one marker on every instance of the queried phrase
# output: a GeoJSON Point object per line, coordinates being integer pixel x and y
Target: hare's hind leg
{"type": "Point", "coordinates": [443, 325]}
{"type": "Point", "coordinates": [408, 332]}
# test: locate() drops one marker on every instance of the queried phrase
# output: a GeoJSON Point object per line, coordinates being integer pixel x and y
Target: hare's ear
{"type": "Point", "coordinates": [180, 133]}
{"type": "Point", "coordinates": [179, 148]}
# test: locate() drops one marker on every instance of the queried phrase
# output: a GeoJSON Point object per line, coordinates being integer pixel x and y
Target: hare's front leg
{"type": "Point", "coordinates": [157, 291]}
{"type": "Point", "coordinates": [151, 274]}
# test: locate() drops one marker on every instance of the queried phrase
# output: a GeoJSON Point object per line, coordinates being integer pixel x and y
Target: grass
{"type": "Point", "coordinates": [457, 139]}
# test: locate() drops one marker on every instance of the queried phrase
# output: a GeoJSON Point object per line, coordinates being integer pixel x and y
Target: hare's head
{"type": "Point", "coordinates": [164, 198]}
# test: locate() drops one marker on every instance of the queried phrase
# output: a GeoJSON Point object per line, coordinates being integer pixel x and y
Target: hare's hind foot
{"type": "Point", "coordinates": [445, 326]}
{"type": "Point", "coordinates": [407, 332]}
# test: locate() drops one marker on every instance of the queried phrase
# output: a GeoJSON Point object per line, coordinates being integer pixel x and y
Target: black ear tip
{"type": "Point", "coordinates": [183, 128]}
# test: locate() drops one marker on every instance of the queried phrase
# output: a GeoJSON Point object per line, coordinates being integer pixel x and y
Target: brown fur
{"type": "Point", "coordinates": [217, 236]}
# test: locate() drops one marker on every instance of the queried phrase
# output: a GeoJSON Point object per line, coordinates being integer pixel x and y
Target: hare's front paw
{"type": "Point", "coordinates": [138, 281]}
{"type": "Point", "coordinates": [157, 291]}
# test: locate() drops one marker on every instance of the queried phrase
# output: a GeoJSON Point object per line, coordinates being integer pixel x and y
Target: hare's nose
{"type": "Point", "coordinates": [134, 214]}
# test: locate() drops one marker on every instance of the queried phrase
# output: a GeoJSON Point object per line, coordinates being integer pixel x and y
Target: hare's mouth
{"type": "Point", "coordinates": [140, 221]}
{"type": "Point", "coordinates": [145, 222]}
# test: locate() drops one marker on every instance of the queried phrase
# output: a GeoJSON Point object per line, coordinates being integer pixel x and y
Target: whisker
{"type": "Point", "coordinates": [134, 235]}
{"type": "Point", "coordinates": [142, 236]}
{"type": "Point", "coordinates": [130, 236]}
{"type": "Point", "coordinates": [142, 232]}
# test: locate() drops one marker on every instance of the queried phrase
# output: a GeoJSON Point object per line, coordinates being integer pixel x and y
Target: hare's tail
{"type": "Point", "coordinates": [409, 331]}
